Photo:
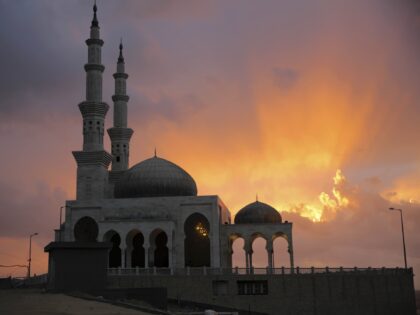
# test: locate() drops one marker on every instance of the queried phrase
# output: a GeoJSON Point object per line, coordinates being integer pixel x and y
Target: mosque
{"type": "Point", "coordinates": [144, 231]}
{"type": "Point", "coordinates": [151, 212]}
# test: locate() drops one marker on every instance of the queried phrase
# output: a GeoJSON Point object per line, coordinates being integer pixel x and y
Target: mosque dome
{"type": "Point", "coordinates": [258, 212]}
{"type": "Point", "coordinates": [155, 177]}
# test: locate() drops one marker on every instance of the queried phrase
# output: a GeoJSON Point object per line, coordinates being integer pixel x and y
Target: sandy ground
{"type": "Point", "coordinates": [35, 302]}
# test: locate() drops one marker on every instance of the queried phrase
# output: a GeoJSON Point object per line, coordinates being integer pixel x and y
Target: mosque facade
{"type": "Point", "coordinates": [145, 230]}
{"type": "Point", "coordinates": [151, 212]}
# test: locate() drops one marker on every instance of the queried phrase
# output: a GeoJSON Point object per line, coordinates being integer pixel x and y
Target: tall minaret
{"type": "Point", "coordinates": [120, 134]}
{"type": "Point", "coordinates": [93, 161]}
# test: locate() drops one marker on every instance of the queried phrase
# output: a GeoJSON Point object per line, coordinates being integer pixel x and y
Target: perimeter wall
{"type": "Point", "coordinates": [380, 291]}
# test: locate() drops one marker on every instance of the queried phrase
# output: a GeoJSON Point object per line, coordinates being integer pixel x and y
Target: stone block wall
{"type": "Point", "coordinates": [386, 292]}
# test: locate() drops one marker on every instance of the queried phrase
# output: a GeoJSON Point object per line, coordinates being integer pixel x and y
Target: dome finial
{"type": "Point", "coordinates": [95, 19]}
{"type": "Point", "coordinates": [256, 197]}
{"type": "Point", "coordinates": [155, 152]}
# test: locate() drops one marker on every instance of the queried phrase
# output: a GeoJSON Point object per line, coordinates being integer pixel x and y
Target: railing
{"type": "Point", "coordinates": [39, 280]}
{"type": "Point", "coordinates": [208, 312]}
{"type": "Point", "coordinates": [203, 271]}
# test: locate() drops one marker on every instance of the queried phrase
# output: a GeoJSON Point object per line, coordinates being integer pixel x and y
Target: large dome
{"type": "Point", "coordinates": [155, 177]}
{"type": "Point", "coordinates": [257, 212]}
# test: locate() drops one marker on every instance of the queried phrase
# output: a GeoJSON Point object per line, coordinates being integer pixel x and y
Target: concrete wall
{"type": "Point", "coordinates": [344, 293]}
{"type": "Point", "coordinates": [77, 266]}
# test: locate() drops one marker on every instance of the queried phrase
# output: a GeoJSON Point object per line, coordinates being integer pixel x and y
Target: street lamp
{"type": "Point", "coordinates": [30, 254]}
{"type": "Point", "coordinates": [403, 237]}
{"type": "Point", "coordinates": [59, 227]}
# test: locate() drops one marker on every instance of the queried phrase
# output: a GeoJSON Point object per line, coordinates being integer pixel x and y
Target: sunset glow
{"type": "Point", "coordinates": [297, 102]}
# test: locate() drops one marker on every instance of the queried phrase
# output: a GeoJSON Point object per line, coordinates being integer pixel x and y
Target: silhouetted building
{"type": "Point", "coordinates": [145, 231]}
{"type": "Point", "coordinates": [151, 212]}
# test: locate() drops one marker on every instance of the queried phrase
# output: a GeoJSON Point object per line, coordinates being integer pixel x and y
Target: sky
{"type": "Point", "coordinates": [313, 105]}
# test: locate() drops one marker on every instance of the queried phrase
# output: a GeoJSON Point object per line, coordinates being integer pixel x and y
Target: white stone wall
{"type": "Point", "coordinates": [147, 214]}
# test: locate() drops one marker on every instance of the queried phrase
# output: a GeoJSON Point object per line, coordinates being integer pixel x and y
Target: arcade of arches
{"type": "Point", "coordinates": [137, 252]}
{"type": "Point", "coordinates": [136, 249]}
{"type": "Point", "coordinates": [261, 245]}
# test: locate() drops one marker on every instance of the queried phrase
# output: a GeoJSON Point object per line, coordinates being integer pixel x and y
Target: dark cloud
{"type": "Point", "coordinates": [285, 78]}
{"type": "Point", "coordinates": [22, 213]}
{"type": "Point", "coordinates": [161, 8]}
{"type": "Point", "coordinates": [38, 60]}
{"type": "Point", "coordinates": [146, 110]}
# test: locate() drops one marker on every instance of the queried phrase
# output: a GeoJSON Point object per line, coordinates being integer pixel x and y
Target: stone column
{"type": "Point", "coordinates": [269, 248]}
{"type": "Point", "coordinates": [248, 253]}
{"type": "Point", "coordinates": [290, 250]}
{"type": "Point", "coordinates": [169, 245]}
{"type": "Point", "coordinates": [123, 265]}
{"type": "Point", "coordinates": [250, 259]}
{"type": "Point", "coordinates": [146, 256]}
{"type": "Point", "coordinates": [128, 251]}
{"type": "Point", "coordinates": [180, 250]}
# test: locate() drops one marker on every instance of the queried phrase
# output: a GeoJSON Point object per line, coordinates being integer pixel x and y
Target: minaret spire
{"type": "Point", "coordinates": [121, 57]}
{"type": "Point", "coordinates": [120, 134]}
{"type": "Point", "coordinates": [95, 18]}
{"type": "Point", "coordinates": [93, 160]}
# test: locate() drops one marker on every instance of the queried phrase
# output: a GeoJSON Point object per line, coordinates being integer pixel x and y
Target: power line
{"type": "Point", "coordinates": [12, 266]}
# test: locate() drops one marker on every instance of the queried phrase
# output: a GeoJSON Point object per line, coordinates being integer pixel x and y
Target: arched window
{"type": "Point", "coordinates": [281, 253]}
{"type": "Point", "coordinates": [259, 251]}
{"type": "Point", "coordinates": [135, 242]}
{"type": "Point", "coordinates": [158, 241]}
{"type": "Point", "coordinates": [114, 260]}
{"type": "Point", "coordinates": [238, 252]}
{"type": "Point", "coordinates": [86, 230]}
{"type": "Point", "coordinates": [197, 241]}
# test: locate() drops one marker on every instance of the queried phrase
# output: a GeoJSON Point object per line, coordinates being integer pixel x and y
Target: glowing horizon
{"type": "Point", "coordinates": [315, 113]}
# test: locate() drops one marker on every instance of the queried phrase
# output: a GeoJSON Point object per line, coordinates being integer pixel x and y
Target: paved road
{"type": "Point", "coordinates": [35, 302]}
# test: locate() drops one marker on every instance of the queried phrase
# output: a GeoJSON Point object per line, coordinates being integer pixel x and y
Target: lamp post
{"type": "Point", "coordinates": [30, 254]}
{"type": "Point", "coordinates": [403, 237]}
{"type": "Point", "coordinates": [59, 227]}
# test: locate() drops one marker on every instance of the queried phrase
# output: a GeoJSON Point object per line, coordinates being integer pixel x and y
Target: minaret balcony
{"type": "Point", "coordinates": [119, 75]}
{"type": "Point", "coordinates": [94, 41]}
{"type": "Point", "coordinates": [120, 134]}
{"type": "Point", "coordinates": [93, 158]}
{"type": "Point", "coordinates": [123, 98]}
{"type": "Point", "coordinates": [93, 108]}
{"type": "Point", "coordinates": [94, 66]}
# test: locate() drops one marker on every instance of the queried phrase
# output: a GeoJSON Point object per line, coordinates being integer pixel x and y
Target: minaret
{"type": "Point", "coordinates": [93, 161]}
{"type": "Point", "coordinates": [120, 134]}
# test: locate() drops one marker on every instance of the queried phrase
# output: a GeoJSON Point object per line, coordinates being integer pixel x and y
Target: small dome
{"type": "Point", "coordinates": [257, 212]}
{"type": "Point", "coordinates": [155, 177]}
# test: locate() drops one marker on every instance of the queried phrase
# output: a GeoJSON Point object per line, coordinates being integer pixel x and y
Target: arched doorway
{"type": "Point", "coordinates": [159, 241]}
{"type": "Point", "coordinates": [197, 241]}
{"type": "Point", "coordinates": [114, 260]}
{"type": "Point", "coordinates": [237, 244]}
{"type": "Point", "coordinates": [86, 230]}
{"type": "Point", "coordinates": [259, 251]}
{"type": "Point", "coordinates": [281, 255]}
{"type": "Point", "coordinates": [135, 248]}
